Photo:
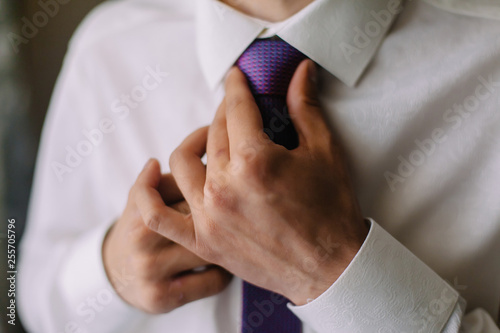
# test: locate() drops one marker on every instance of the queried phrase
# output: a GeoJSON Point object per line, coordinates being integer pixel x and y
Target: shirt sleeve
{"type": "Point", "coordinates": [63, 286]}
{"type": "Point", "coordinates": [386, 288]}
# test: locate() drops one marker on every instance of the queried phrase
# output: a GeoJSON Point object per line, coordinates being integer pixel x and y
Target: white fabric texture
{"type": "Point", "coordinates": [479, 8]}
{"type": "Point", "coordinates": [373, 295]}
{"type": "Point", "coordinates": [420, 125]}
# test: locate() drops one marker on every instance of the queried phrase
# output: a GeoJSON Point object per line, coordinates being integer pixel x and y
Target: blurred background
{"type": "Point", "coordinates": [33, 39]}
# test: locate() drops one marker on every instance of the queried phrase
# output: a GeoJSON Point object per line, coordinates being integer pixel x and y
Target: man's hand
{"type": "Point", "coordinates": [161, 272]}
{"type": "Point", "coordinates": [259, 210]}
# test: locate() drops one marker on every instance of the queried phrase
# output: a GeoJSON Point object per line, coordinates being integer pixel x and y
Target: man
{"type": "Point", "coordinates": [396, 110]}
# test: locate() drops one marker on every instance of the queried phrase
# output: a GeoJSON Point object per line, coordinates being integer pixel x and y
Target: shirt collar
{"type": "Point", "coordinates": [342, 36]}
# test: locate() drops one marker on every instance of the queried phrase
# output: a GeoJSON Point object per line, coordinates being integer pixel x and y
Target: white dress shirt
{"type": "Point", "coordinates": [417, 109]}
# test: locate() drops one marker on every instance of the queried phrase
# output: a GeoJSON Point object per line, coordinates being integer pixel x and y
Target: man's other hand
{"type": "Point", "coordinates": [161, 275]}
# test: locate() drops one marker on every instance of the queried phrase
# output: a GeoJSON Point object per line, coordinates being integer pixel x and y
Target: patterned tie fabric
{"type": "Point", "coordinates": [269, 65]}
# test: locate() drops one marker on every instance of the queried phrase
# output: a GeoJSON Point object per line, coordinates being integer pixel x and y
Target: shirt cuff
{"type": "Point", "coordinates": [86, 289]}
{"type": "Point", "coordinates": [385, 288]}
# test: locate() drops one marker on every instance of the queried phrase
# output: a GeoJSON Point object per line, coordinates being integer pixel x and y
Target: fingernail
{"type": "Point", "coordinates": [312, 71]}
{"type": "Point", "coordinates": [148, 163]}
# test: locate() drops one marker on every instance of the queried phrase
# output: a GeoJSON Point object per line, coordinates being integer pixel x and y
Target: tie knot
{"type": "Point", "coordinates": [269, 65]}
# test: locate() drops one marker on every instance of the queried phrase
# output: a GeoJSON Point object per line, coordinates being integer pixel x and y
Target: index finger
{"type": "Point", "coordinates": [157, 216]}
{"type": "Point", "coordinates": [244, 121]}
{"type": "Point", "coordinates": [218, 143]}
{"type": "Point", "coordinates": [187, 168]}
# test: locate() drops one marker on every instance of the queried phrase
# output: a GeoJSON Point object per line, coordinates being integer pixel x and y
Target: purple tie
{"type": "Point", "coordinates": [269, 65]}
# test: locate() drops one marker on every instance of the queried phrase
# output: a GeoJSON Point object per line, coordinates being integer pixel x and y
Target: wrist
{"type": "Point", "coordinates": [317, 282]}
{"type": "Point", "coordinates": [325, 265]}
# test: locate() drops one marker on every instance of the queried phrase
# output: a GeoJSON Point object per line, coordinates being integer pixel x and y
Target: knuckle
{"type": "Point", "coordinates": [221, 152]}
{"type": "Point", "coordinates": [249, 151]}
{"type": "Point", "coordinates": [217, 194]}
{"type": "Point", "coordinates": [212, 188]}
{"type": "Point", "coordinates": [252, 167]}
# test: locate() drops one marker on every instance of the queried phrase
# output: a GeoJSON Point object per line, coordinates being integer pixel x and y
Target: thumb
{"type": "Point", "coordinates": [304, 106]}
